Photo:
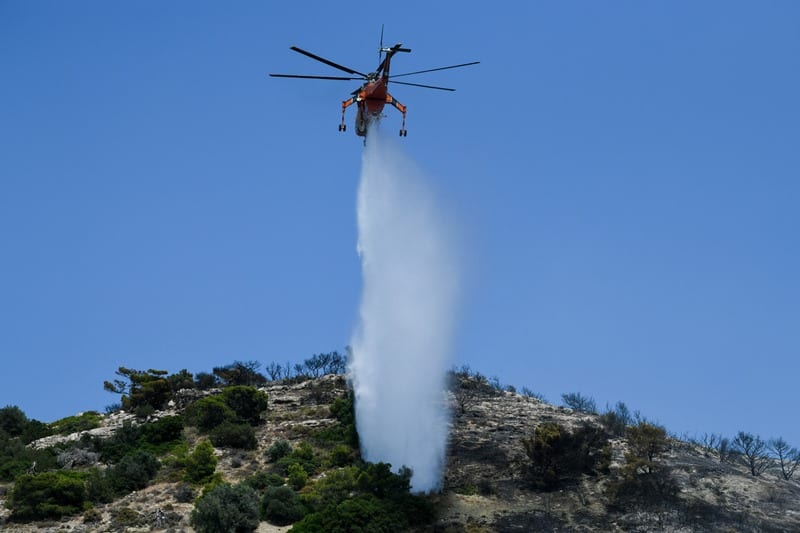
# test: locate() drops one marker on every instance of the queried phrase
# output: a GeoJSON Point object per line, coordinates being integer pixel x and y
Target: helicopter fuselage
{"type": "Point", "coordinates": [370, 101]}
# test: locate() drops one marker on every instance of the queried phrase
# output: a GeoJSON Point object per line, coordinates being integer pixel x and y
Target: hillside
{"type": "Point", "coordinates": [492, 482]}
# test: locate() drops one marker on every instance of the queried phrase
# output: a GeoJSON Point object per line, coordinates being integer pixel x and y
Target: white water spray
{"type": "Point", "coordinates": [401, 349]}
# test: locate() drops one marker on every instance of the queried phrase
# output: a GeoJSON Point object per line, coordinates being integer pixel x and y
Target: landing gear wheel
{"type": "Point", "coordinates": [403, 133]}
{"type": "Point", "coordinates": [344, 127]}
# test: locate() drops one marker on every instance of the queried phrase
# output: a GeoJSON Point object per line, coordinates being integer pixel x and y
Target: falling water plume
{"type": "Point", "coordinates": [402, 346]}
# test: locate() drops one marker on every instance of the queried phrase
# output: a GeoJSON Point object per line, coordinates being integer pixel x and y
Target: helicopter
{"type": "Point", "coordinates": [373, 95]}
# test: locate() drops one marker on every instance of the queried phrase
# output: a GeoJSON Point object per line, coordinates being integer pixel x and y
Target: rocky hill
{"type": "Point", "coordinates": [490, 483]}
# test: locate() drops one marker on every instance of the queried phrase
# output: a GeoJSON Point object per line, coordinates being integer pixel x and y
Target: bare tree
{"type": "Point", "coordinates": [788, 457]}
{"type": "Point", "coordinates": [752, 450]}
{"type": "Point", "coordinates": [313, 366]}
{"type": "Point", "coordinates": [580, 403]}
{"type": "Point", "coordinates": [617, 420]}
{"type": "Point", "coordinates": [724, 450]}
{"type": "Point", "coordinates": [287, 370]}
{"type": "Point", "coordinates": [274, 371]}
{"type": "Point", "coordinates": [469, 388]}
{"type": "Point", "coordinates": [535, 395]}
{"type": "Point", "coordinates": [300, 373]}
{"type": "Point", "coordinates": [718, 445]}
{"type": "Point", "coordinates": [77, 457]}
{"type": "Point", "coordinates": [325, 363]}
{"type": "Point", "coordinates": [710, 441]}
{"type": "Point", "coordinates": [337, 364]}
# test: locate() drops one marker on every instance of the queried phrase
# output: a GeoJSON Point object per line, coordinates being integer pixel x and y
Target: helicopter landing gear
{"type": "Point", "coordinates": [400, 107]}
{"type": "Point", "coordinates": [345, 105]}
{"type": "Point", "coordinates": [403, 130]}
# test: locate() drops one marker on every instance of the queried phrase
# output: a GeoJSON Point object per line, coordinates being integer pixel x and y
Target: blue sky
{"type": "Point", "coordinates": [624, 176]}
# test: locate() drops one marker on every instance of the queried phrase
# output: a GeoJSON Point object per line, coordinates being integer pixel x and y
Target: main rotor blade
{"type": "Point", "coordinates": [327, 62]}
{"type": "Point", "coordinates": [420, 85]}
{"type": "Point", "coordinates": [312, 77]}
{"type": "Point", "coordinates": [435, 69]}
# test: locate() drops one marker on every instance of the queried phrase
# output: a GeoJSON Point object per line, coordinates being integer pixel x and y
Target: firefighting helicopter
{"type": "Point", "coordinates": [373, 94]}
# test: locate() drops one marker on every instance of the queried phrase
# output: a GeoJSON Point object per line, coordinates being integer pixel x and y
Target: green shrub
{"type": "Point", "coordinates": [12, 421]}
{"type": "Point", "coordinates": [345, 431]}
{"type": "Point", "coordinates": [124, 518]}
{"type": "Point", "coordinates": [123, 441]}
{"type": "Point", "coordinates": [364, 512]}
{"type": "Point", "coordinates": [233, 435]}
{"type": "Point", "coordinates": [334, 487]}
{"type": "Point", "coordinates": [261, 480]}
{"type": "Point", "coordinates": [157, 437]}
{"type": "Point", "coordinates": [278, 449]}
{"type": "Point", "coordinates": [298, 477]}
{"type": "Point", "coordinates": [212, 483]}
{"type": "Point", "coordinates": [205, 381]}
{"type": "Point", "coordinates": [133, 472]}
{"type": "Point", "coordinates": [163, 431]}
{"type": "Point", "coordinates": [281, 506]}
{"type": "Point", "coordinates": [47, 495]}
{"type": "Point", "coordinates": [247, 402]}
{"type": "Point", "coordinates": [143, 411]}
{"type": "Point", "coordinates": [226, 509]}
{"type": "Point", "coordinates": [302, 455]}
{"type": "Point", "coordinates": [647, 441]}
{"type": "Point", "coordinates": [174, 462]}
{"type": "Point", "coordinates": [16, 458]}
{"type": "Point", "coordinates": [181, 380]}
{"type": "Point", "coordinates": [35, 430]}
{"type": "Point", "coordinates": [209, 412]}
{"type": "Point", "coordinates": [92, 516]}
{"type": "Point", "coordinates": [98, 487]}
{"type": "Point", "coordinates": [201, 463]}
{"type": "Point", "coordinates": [467, 490]}
{"type": "Point", "coordinates": [72, 424]}
{"type": "Point", "coordinates": [378, 479]}
{"type": "Point", "coordinates": [236, 404]}
{"type": "Point", "coordinates": [341, 455]}
{"type": "Point", "coordinates": [644, 482]}
{"type": "Point", "coordinates": [369, 498]}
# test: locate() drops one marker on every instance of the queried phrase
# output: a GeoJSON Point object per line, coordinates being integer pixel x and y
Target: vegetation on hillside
{"type": "Point", "coordinates": [96, 470]}
{"type": "Point", "coordinates": [315, 479]}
